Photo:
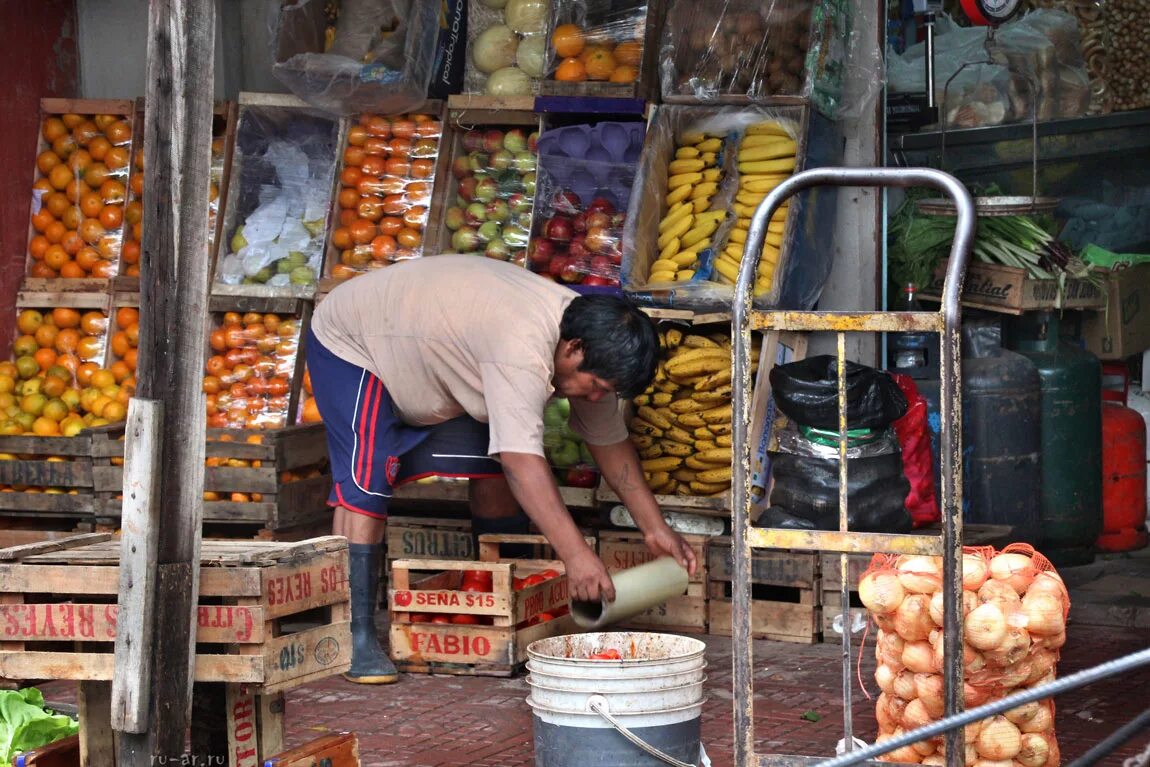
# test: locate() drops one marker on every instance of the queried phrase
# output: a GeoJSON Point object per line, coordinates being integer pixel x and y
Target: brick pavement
{"type": "Point", "coordinates": [446, 721]}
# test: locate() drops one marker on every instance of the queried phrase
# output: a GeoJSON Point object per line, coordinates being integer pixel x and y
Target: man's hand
{"type": "Point", "coordinates": [666, 542]}
{"type": "Point", "coordinates": [587, 578]}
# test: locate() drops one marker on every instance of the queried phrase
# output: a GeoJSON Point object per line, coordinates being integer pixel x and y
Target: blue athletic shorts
{"type": "Point", "coordinates": [372, 451]}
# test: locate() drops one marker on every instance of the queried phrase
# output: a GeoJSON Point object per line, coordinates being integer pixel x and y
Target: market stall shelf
{"type": "Point", "coordinates": [475, 618]}
{"type": "Point", "coordinates": [276, 479]}
{"type": "Point", "coordinates": [686, 614]}
{"type": "Point", "coordinates": [784, 599]}
{"type": "Point", "coordinates": [84, 157]}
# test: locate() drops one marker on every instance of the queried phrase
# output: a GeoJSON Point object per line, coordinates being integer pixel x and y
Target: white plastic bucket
{"type": "Point", "coordinates": [643, 710]}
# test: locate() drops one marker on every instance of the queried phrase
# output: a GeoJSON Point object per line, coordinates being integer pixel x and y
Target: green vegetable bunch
{"type": "Point", "coordinates": [25, 724]}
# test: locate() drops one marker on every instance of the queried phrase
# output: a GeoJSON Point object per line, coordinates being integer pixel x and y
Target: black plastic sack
{"type": "Point", "coordinates": [807, 393]}
{"type": "Point", "coordinates": [808, 488]}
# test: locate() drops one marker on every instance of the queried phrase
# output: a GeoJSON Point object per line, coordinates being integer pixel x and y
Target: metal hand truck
{"type": "Point", "coordinates": [946, 323]}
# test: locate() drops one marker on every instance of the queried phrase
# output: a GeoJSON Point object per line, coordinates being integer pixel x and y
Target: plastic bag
{"type": "Point", "coordinates": [597, 42]}
{"type": "Point", "coordinates": [278, 197]}
{"type": "Point", "coordinates": [806, 391]}
{"type": "Point", "coordinates": [917, 457]}
{"type": "Point", "coordinates": [386, 178]}
{"type": "Point", "coordinates": [379, 60]}
{"type": "Point", "coordinates": [583, 189]}
{"type": "Point", "coordinates": [1014, 607]}
{"type": "Point", "coordinates": [808, 488]}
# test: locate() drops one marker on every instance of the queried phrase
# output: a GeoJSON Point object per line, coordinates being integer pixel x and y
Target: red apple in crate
{"type": "Point", "coordinates": [475, 214]}
{"type": "Point", "coordinates": [454, 218]}
{"type": "Point", "coordinates": [567, 202]}
{"type": "Point", "coordinates": [599, 239]}
{"type": "Point", "coordinates": [601, 204]}
{"type": "Point", "coordinates": [519, 203]}
{"type": "Point", "coordinates": [501, 159]}
{"type": "Point", "coordinates": [460, 168]}
{"type": "Point", "coordinates": [618, 220]}
{"type": "Point", "coordinates": [467, 188]}
{"type": "Point", "coordinates": [473, 141]}
{"type": "Point", "coordinates": [532, 141]}
{"type": "Point", "coordinates": [572, 272]}
{"type": "Point", "coordinates": [594, 280]}
{"type": "Point", "coordinates": [597, 219]}
{"type": "Point", "coordinates": [540, 252]}
{"type": "Point", "coordinates": [558, 229]}
{"type": "Point", "coordinates": [557, 265]}
{"type": "Point", "coordinates": [578, 247]}
{"type": "Point", "coordinates": [493, 140]}
{"type": "Point", "coordinates": [580, 222]}
{"type": "Point", "coordinates": [486, 190]}
{"type": "Point", "coordinates": [581, 476]}
{"type": "Point", "coordinates": [515, 141]}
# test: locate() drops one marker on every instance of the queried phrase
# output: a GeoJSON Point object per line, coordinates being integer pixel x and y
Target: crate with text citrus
{"type": "Point", "coordinates": [603, 50]}
{"type": "Point", "coordinates": [83, 161]}
{"type": "Point", "coordinates": [784, 593]}
{"type": "Point", "coordinates": [269, 615]}
{"type": "Point", "coordinates": [251, 377]}
{"type": "Point", "coordinates": [384, 192]}
{"type": "Point", "coordinates": [277, 478]}
{"type": "Point", "coordinates": [485, 193]}
{"type": "Point", "coordinates": [429, 538]}
{"type": "Point", "coordinates": [475, 618]}
{"type": "Point", "coordinates": [278, 202]}
{"type": "Point", "coordinates": [624, 549]}
{"type": "Point", "coordinates": [223, 129]}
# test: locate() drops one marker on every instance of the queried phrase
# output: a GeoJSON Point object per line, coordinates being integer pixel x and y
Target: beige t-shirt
{"type": "Point", "coordinates": [452, 334]}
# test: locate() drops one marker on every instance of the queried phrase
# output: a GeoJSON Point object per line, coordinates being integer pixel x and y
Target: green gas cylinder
{"type": "Point", "coordinates": [1071, 490]}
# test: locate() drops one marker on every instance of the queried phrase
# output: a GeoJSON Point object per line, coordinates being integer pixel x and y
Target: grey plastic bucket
{"type": "Point", "coordinates": [641, 711]}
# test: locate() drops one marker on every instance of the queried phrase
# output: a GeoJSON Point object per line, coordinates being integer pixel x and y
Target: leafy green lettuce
{"type": "Point", "coordinates": [25, 724]}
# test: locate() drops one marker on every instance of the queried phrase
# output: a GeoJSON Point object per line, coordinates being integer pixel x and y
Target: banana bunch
{"type": "Point", "coordinates": [766, 157]}
{"type": "Point", "coordinates": [682, 423]}
{"type": "Point", "coordinates": [693, 177]}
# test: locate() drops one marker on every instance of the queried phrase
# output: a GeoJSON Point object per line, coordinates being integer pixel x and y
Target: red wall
{"type": "Point", "coordinates": [38, 58]}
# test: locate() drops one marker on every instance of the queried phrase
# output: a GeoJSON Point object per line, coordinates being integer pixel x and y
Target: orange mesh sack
{"type": "Point", "coordinates": [1014, 606]}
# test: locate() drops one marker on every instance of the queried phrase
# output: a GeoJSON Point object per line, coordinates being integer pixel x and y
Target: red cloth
{"type": "Point", "coordinates": [917, 460]}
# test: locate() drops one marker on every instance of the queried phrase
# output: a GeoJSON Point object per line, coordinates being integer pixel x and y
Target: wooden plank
{"type": "Point", "coordinates": [242, 727]}
{"type": "Point", "coordinates": [327, 751]}
{"type": "Point", "coordinates": [77, 446]}
{"type": "Point", "coordinates": [98, 622]}
{"type": "Point", "coordinates": [97, 739]}
{"type": "Point", "coordinates": [134, 629]}
{"type": "Point", "coordinates": [323, 649]}
{"type": "Point", "coordinates": [411, 538]}
{"type": "Point", "coordinates": [289, 589]}
{"type": "Point", "coordinates": [780, 621]}
{"type": "Point", "coordinates": [29, 549]}
{"type": "Point", "coordinates": [80, 579]}
{"type": "Point", "coordinates": [55, 105]}
{"type": "Point", "coordinates": [443, 643]}
{"type": "Point", "coordinates": [798, 569]}
{"type": "Point", "coordinates": [46, 473]}
{"type": "Point", "coordinates": [47, 505]}
{"type": "Point", "coordinates": [684, 614]}
{"type": "Point", "coordinates": [94, 666]}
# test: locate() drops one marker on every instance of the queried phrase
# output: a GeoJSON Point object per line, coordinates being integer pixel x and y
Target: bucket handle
{"type": "Point", "coordinates": [598, 704]}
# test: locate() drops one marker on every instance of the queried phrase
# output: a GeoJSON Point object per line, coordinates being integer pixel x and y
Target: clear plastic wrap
{"type": "Point", "coordinates": [1014, 607]}
{"type": "Point", "coordinates": [493, 171]}
{"type": "Point", "coordinates": [506, 46]}
{"type": "Point", "coordinates": [250, 367]}
{"type": "Point", "coordinates": [583, 189]}
{"type": "Point", "coordinates": [683, 246]}
{"type": "Point", "coordinates": [597, 42]}
{"type": "Point", "coordinates": [565, 450]}
{"type": "Point", "coordinates": [735, 48]}
{"type": "Point", "coordinates": [278, 198]}
{"type": "Point", "coordinates": [308, 407]}
{"type": "Point", "coordinates": [79, 194]}
{"type": "Point", "coordinates": [123, 345]}
{"type": "Point", "coordinates": [385, 192]}
{"type": "Point", "coordinates": [379, 57]}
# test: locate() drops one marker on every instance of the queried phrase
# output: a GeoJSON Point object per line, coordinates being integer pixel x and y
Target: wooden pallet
{"type": "Point", "coordinates": [420, 588]}
{"type": "Point", "coordinates": [254, 596]}
{"type": "Point", "coordinates": [784, 598]}
{"type": "Point", "coordinates": [280, 483]}
{"type": "Point", "coordinates": [686, 614]}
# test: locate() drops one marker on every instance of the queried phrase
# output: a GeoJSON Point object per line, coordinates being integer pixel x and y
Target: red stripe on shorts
{"type": "Point", "coordinates": [362, 460]}
{"type": "Point", "coordinates": [375, 404]}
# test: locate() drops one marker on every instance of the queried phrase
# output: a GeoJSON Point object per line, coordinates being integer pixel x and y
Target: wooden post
{"type": "Point", "coordinates": [174, 284]}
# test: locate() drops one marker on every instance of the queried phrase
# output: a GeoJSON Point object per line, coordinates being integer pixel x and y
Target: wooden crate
{"type": "Point", "coordinates": [422, 587]}
{"type": "Point", "coordinates": [831, 594]}
{"type": "Point", "coordinates": [644, 89]}
{"type": "Point", "coordinates": [413, 184]}
{"type": "Point", "coordinates": [261, 118]}
{"type": "Point", "coordinates": [1009, 290]}
{"type": "Point", "coordinates": [429, 538]}
{"type": "Point", "coordinates": [61, 464]}
{"type": "Point", "coordinates": [280, 483]}
{"type": "Point", "coordinates": [340, 750]}
{"type": "Point", "coordinates": [784, 593]}
{"type": "Point", "coordinates": [465, 113]}
{"type": "Point", "coordinates": [453, 491]}
{"type": "Point", "coordinates": [687, 614]}
{"type": "Point", "coordinates": [257, 604]}
{"type": "Point", "coordinates": [110, 239]}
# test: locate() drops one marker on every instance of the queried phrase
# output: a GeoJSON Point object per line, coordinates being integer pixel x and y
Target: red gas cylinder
{"type": "Point", "coordinates": [1123, 479]}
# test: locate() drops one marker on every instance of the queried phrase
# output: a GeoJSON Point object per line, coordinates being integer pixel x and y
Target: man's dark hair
{"type": "Point", "coordinates": [619, 342]}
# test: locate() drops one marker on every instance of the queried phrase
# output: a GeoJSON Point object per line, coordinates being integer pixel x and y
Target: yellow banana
{"type": "Point", "coordinates": [658, 277]}
{"type": "Point", "coordinates": [665, 463]}
{"type": "Point", "coordinates": [674, 213]}
{"type": "Point", "coordinates": [715, 475]}
{"type": "Point", "coordinates": [654, 451]}
{"type": "Point", "coordinates": [663, 265]}
{"type": "Point", "coordinates": [642, 441]}
{"type": "Point", "coordinates": [689, 406]}
{"type": "Point", "coordinates": [674, 337]}
{"type": "Point", "coordinates": [709, 145]}
{"type": "Point", "coordinates": [712, 174]}
{"type": "Point", "coordinates": [678, 229]}
{"type": "Point", "coordinates": [709, 488]}
{"type": "Point", "coordinates": [693, 462]}
{"type": "Point", "coordinates": [727, 270]}
{"type": "Point", "coordinates": [677, 449]}
{"type": "Point", "coordinates": [695, 341]}
{"type": "Point", "coordinates": [761, 182]}
{"type": "Point", "coordinates": [761, 139]}
{"type": "Point", "coordinates": [684, 475]}
{"type": "Point", "coordinates": [686, 153]}
{"type": "Point", "coordinates": [660, 399]}
{"type": "Point", "coordinates": [684, 275]}
{"type": "Point", "coordinates": [768, 166]}
{"type": "Point", "coordinates": [656, 478]}
{"type": "Point", "coordinates": [679, 179]}
{"type": "Point", "coordinates": [694, 137]}
{"type": "Point", "coordinates": [701, 204]}
{"type": "Point", "coordinates": [772, 128]}
{"type": "Point", "coordinates": [714, 382]}
{"type": "Point", "coordinates": [685, 259]}
{"type": "Point", "coordinates": [678, 194]}
{"type": "Point", "coordinates": [708, 158]}
{"type": "Point", "coordinates": [675, 434]}
{"type": "Point", "coordinates": [785, 148]}
{"type": "Point", "coordinates": [704, 189]}
{"type": "Point", "coordinates": [704, 229]}
{"type": "Point", "coordinates": [723, 440]}
{"type": "Point", "coordinates": [686, 166]}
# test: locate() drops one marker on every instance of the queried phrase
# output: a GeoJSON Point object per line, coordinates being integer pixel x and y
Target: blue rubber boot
{"type": "Point", "coordinates": [369, 663]}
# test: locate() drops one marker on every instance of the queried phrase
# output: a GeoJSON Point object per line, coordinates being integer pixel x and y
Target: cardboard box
{"type": "Point", "coordinates": [1013, 291]}
{"type": "Point", "coordinates": [1123, 328]}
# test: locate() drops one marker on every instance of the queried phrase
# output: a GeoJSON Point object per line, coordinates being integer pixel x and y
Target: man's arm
{"type": "Point", "coordinates": [533, 486]}
{"type": "Point", "coordinates": [623, 472]}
